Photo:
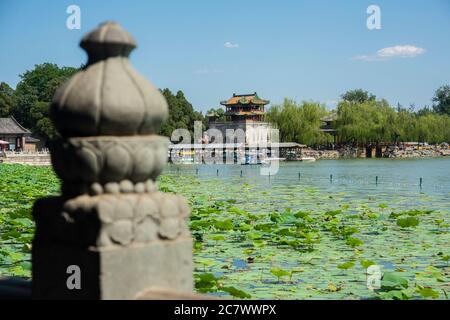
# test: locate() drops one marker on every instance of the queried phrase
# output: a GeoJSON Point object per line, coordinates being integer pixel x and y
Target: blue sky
{"type": "Point", "coordinates": [305, 50]}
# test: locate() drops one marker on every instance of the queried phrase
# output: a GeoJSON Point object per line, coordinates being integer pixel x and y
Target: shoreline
{"type": "Point", "coordinates": [386, 153]}
{"type": "Point", "coordinates": [395, 153]}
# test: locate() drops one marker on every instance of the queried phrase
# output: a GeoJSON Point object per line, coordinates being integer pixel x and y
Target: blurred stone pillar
{"type": "Point", "coordinates": [111, 234]}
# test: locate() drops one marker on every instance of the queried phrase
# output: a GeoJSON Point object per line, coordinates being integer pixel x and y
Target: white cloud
{"type": "Point", "coordinates": [399, 51]}
{"type": "Point", "coordinates": [230, 45]}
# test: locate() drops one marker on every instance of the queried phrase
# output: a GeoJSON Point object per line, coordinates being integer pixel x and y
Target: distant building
{"type": "Point", "coordinates": [245, 112]}
{"type": "Point", "coordinates": [31, 144]}
{"type": "Point", "coordinates": [14, 137]}
{"type": "Point", "coordinates": [329, 126]}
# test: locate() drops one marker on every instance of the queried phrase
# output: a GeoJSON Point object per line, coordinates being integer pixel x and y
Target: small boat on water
{"type": "Point", "coordinates": [186, 161]}
{"type": "Point", "coordinates": [307, 159]}
{"type": "Point", "coordinates": [249, 160]}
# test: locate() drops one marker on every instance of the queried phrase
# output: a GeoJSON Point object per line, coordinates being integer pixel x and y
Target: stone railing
{"type": "Point", "coordinates": [31, 158]}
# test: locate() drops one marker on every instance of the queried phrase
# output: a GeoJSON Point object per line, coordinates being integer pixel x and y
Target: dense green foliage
{"type": "Point", "coordinates": [33, 95]}
{"type": "Point", "coordinates": [375, 121]}
{"type": "Point", "coordinates": [219, 114]}
{"type": "Point", "coordinates": [442, 100]}
{"type": "Point", "coordinates": [20, 186]}
{"type": "Point", "coordinates": [358, 96]}
{"type": "Point", "coordinates": [181, 114]}
{"type": "Point", "coordinates": [6, 99]}
{"type": "Point", "coordinates": [29, 102]}
{"type": "Point", "coordinates": [362, 119]}
{"type": "Point", "coordinates": [299, 122]}
{"type": "Point", "coordinates": [365, 122]}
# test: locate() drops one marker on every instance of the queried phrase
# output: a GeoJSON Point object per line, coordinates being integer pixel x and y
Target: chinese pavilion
{"type": "Point", "coordinates": [245, 112]}
{"type": "Point", "coordinates": [245, 107]}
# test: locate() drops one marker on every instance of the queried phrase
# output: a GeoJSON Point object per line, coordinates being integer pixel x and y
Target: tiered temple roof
{"type": "Point", "coordinates": [238, 99]}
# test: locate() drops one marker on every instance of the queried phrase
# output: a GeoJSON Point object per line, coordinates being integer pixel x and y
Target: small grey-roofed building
{"type": "Point", "coordinates": [32, 144]}
{"type": "Point", "coordinates": [12, 134]}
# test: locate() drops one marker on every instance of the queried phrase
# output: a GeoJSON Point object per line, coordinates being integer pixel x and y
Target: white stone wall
{"type": "Point", "coordinates": [256, 133]}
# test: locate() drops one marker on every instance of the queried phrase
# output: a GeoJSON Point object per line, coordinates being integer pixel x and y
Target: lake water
{"type": "Point", "coordinates": [360, 202]}
{"type": "Point", "coordinates": [398, 182]}
{"type": "Point", "coordinates": [398, 177]}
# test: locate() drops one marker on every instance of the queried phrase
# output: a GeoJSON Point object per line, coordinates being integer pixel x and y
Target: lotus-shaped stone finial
{"type": "Point", "coordinates": [108, 116]}
{"type": "Point", "coordinates": [108, 97]}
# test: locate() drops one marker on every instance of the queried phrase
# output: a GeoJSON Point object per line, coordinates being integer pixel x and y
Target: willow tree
{"type": "Point", "coordinates": [406, 125]}
{"type": "Point", "coordinates": [433, 128]}
{"type": "Point", "coordinates": [299, 122]}
{"type": "Point", "coordinates": [365, 123]}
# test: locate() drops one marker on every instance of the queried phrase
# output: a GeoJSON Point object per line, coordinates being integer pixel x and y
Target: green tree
{"type": "Point", "coordinates": [405, 128]}
{"type": "Point", "coordinates": [33, 95]}
{"type": "Point", "coordinates": [219, 114]}
{"type": "Point", "coordinates": [442, 100]}
{"type": "Point", "coordinates": [43, 126]}
{"type": "Point", "coordinates": [358, 96]}
{"type": "Point", "coordinates": [299, 122]}
{"type": "Point", "coordinates": [25, 97]}
{"type": "Point", "coordinates": [181, 114]}
{"type": "Point", "coordinates": [367, 122]}
{"type": "Point", "coordinates": [6, 99]}
{"type": "Point", "coordinates": [433, 128]}
{"type": "Point", "coordinates": [373, 122]}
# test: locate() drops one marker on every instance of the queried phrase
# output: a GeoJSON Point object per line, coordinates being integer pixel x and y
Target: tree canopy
{"type": "Point", "coordinates": [30, 102]}
{"type": "Point", "coordinates": [299, 122]}
{"type": "Point", "coordinates": [33, 95]}
{"type": "Point", "coordinates": [442, 100]}
{"type": "Point", "coordinates": [6, 99]}
{"type": "Point", "coordinates": [365, 122]}
{"type": "Point", "coordinates": [181, 113]}
{"type": "Point", "coordinates": [219, 114]}
{"type": "Point", "coordinates": [374, 121]}
{"type": "Point", "coordinates": [362, 120]}
{"type": "Point", "coordinates": [358, 96]}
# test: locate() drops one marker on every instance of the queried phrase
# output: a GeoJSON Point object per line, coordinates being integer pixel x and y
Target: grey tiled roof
{"type": "Point", "coordinates": [11, 126]}
{"type": "Point", "coordinates": [31, 140]}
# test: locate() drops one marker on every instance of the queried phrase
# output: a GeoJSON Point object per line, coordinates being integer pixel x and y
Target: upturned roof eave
{"type": "Point", "coordinates": [17, 129]}
{"type": "Point", "coordinates": [20, 126]}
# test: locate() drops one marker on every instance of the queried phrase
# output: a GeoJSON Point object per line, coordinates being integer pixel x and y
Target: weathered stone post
{"type": "Point", "coordinates": [110, 223]}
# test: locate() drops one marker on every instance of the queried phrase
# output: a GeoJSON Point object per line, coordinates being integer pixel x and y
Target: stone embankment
{"type": "Point", "coordinates": [321, 154]}
{"type": "Point", "coordinates": [342, 153]}
{"type": "Point", "coordinates": [389, 152]}
{"type": "Point", "coordinates": [32, 158]}
{"type": "Point", "coordinates": [433, 151]}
